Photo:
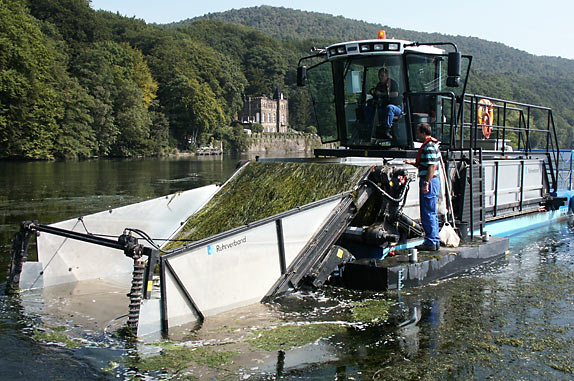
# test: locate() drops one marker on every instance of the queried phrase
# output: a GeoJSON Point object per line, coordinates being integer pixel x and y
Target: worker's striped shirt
{"type": "Point", "coordinates": [430, 155]}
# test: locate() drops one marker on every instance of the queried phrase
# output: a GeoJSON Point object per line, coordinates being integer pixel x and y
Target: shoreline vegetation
{"type": "Point", "coordinates": [257, 144]}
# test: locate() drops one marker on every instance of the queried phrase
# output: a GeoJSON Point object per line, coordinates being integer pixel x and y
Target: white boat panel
{"type": "Point", "coordinates": [239, 269]}
{"type": "Point", "coordinates": [179, 310]}
{"type": "Point", "coordinates": [232, 272]}
{"type": "Point", "coordinates": [299, 228]}
{"type": "Point", "coordinates": [150, 318]}
{"type": "Point", "coordinates": [411, 208]}
{"type": "Point", "coordinates": [66, 260]}
{"type": "Point", "coordinates": [507, 185]}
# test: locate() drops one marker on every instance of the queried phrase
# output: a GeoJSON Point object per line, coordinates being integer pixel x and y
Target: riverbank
{"type": "Point", "coordinates": [284, 143]}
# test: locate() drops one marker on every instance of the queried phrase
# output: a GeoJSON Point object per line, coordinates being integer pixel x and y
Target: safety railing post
{"type": "Point", "coordinates": [570, 180]}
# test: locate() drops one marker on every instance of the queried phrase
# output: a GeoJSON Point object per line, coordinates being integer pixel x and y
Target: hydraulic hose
{"type": "Point", "coordinates": [385, 194]}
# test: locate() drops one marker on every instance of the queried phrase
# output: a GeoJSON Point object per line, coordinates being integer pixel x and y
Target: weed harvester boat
{"type": "Point", "coordinates": [277, 225]}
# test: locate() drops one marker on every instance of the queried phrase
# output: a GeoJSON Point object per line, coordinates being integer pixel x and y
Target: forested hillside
{"type": "Point", "coordinates": [498, 70]}
{"type": "Point", "coordinates": [75, 82]}
{"type": "Point", "coordinates": [82, 83]}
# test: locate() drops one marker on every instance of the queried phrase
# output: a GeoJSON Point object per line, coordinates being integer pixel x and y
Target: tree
{"type": "Point", "coordinates": [234, 138]}
{"type": "Point", "coordinates": [74, 18]}
{"type": "Point", "coordinates": [265, 70]}
{"type": "Point", "coordinates": [159, 130]}
{"type": "Point", "coordinates": [28, 102]}
{"type": "Point", "coordinates": [123, 88]}
{"type": "Point", "coordinates": [76, 138]}
{"type": "Point", "coordinates": [192, 109]}
{"type": "Point", "coordinates": [193, 59]}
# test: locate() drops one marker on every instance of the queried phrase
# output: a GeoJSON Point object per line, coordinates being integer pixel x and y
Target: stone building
{"type": "Point", "coordinates": [272, 114]}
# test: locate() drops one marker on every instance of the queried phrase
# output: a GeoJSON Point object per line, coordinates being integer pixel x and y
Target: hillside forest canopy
{"type": "Point", "coordinates": [80, 83]}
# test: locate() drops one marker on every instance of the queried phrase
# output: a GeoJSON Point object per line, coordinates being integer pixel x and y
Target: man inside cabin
{"type": "Point", "coordinates": [428, 162]}
{"type": "Point", "coordinates": [386, 102]}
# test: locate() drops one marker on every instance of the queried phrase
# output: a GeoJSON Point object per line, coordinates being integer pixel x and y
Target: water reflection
{"type": "Point", "coordinates": [510, 319]}
{"type": "Point", "coordinates": [55, 191]}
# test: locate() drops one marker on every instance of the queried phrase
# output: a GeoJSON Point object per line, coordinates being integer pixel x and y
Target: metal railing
{"type": "Point", "coordinates": [529, 127]}
{"type": "Point", "coordinates": [564, 168]}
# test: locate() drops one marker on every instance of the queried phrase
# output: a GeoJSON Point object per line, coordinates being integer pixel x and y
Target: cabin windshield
{"type": "Point", "coordinates": [428, 98]}
{"type": "Point", "coordinates": [358, 105]}
{"type": "Point", "coordinates": [351, 91]}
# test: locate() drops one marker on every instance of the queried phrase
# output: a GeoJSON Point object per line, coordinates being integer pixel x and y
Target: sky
{"type": "Point", "coordinates": [538, 27]}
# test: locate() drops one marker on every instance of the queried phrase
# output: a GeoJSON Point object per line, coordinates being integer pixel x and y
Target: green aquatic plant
{"type": "Point", "coordinates": [55, 335]}
{"type": "Point", "coordinates": [178, 357]}
{"type": "Point", "coordinates": [511, 341]}
{"type": "Point", "coordinates": [264, 189]}
{"type": "Point", "coordinates": [291, 336]}
{"type": "Point", "coordinates": [371, 311]}
{"type": "Point", "coordinates": [561, 364]}
{"type": "Point", "coordinates": [112, 365]}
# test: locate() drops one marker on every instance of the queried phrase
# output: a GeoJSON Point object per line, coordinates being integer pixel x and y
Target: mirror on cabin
{"type": "Point", "coordinates": [453, 70]}
{"type": "Point", "coordinates": [301, 76]}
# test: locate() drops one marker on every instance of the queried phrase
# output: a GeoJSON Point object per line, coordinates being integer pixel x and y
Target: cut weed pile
{"type": "Point", "coordinates": [264, 189]}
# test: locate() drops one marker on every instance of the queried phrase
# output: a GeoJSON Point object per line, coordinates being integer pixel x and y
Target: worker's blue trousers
{"type": "Point", "coordinates": [386, 115]}
{"type": "Point", "coordinates": [429, 217]}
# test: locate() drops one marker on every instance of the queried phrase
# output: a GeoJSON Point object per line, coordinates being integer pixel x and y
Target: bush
{"type": "Point", "coordinates": [311, 129]}
{"type": "Point", "coordinates": [234, 139]}
{"type": "Point", "coordinates": [256, 127]}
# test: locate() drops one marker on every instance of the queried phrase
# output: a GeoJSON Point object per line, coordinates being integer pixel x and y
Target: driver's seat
{"type": "Point", "coordinates": [379, 132]}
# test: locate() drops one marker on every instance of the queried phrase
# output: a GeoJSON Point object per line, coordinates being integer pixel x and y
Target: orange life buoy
{"type": "Point", "coordinates": [485, 116]}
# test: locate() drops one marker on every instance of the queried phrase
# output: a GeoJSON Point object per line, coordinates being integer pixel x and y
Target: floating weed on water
{"type": "Point", "coordinates": [193, 176]}
{"type": "Point", "coordinates": [511, 341]}
{"type": "Point", "coordinates": [487, 346]}
{"type": "Point", "coordinates": [112, 365]}
{"type": "Point", "coordinates": [561, 364]}
{"type": "Point", "coordinates": [176, 358]}
{"type": "Point", "coordinates": [55, 335]}
{"type": "Point", "coordinates": [371, 311]}
{"type": "Point", "coordinates": [291, 336]}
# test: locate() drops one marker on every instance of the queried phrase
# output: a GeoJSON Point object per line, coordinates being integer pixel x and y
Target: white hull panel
{"type": "Point", "coordinates": [226, 273]}
{"type": "Point", "coordinates": [62, 260]}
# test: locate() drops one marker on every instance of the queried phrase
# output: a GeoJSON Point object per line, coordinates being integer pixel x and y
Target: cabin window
{"type": "Point", "coordinates": [320, 79]}
{"type": "Point", "coordinates": [430, 100]}
{"type": "Point", "coordinates": [361, 77]}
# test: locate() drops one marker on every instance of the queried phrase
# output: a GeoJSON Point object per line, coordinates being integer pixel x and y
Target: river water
{"type": "Point", "coordinates": [512, 319]}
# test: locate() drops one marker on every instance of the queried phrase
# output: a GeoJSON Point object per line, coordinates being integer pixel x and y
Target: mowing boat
{"type": "Point", "coordinates": [346, 217]}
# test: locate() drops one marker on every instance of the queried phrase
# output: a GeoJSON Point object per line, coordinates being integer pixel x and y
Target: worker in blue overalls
{"type": "Point", "coordinates": [428, 163]}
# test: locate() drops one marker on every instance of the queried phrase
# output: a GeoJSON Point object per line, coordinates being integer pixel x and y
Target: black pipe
{"type": "Point", "coordinates": [281, 244]}
{"type": "Point", "coordinates": [77, 236]}
{"type": "Point", "coordinates": [20, 245]}
{"type": "Point", "coordinates": [127, 243]}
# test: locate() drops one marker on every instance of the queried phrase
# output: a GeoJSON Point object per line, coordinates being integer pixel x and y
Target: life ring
{"type": "Point", "coordinates": [485, 116]}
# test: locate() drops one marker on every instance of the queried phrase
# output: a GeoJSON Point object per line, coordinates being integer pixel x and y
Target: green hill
{"type": "Point", "coordinates": [498, 70]}
{"type": "Point", "coordinates": [75, 82]}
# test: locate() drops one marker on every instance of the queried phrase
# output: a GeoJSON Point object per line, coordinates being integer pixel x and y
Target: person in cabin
{"type": "Point", "coordinates": [385, 101]}
{"type": "Point", "coordinates": [428, 164]}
